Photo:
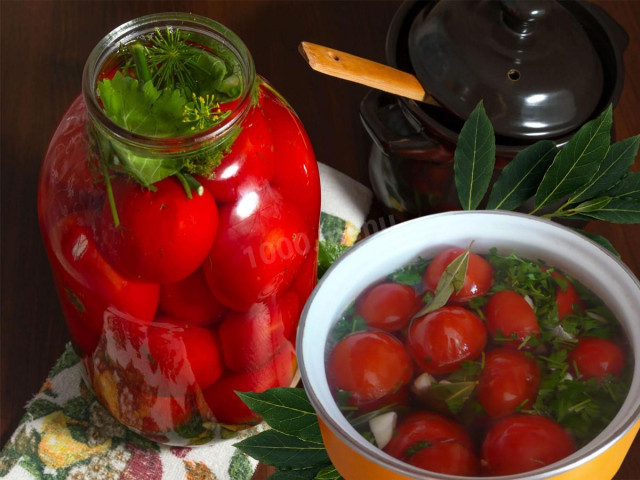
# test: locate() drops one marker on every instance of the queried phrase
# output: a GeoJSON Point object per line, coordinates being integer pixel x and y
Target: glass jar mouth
{"type": "Point", "coordinates": [108, 47]}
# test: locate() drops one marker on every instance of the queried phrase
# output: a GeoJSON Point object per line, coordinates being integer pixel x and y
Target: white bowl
{"type": "Point", "coordinates": [527, 236]}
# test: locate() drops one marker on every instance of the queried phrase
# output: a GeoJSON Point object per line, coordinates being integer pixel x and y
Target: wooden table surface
{"type": "Point", "coordinates": [43, 50]}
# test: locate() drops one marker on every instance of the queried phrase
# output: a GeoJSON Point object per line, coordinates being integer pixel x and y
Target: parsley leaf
{"type": "Point", "coordinates": [142, 109]}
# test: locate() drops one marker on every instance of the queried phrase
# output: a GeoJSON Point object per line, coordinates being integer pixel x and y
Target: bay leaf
{"type": "Point", "coordinates": [451, 280]}
{"type": "Point", "coordinates": [520, 179]}
{"type": "Point", "coordinates": [599, 239]}
{"type": "Point", "coordinates": [298, 474]}
{"type": "Point", "coordinates": [577, 162]}
{"type": "Point", "coordinates": [618, 210]}
{"type": "Point", "coordinates": [283, 451]}
{"type": "Point", "coordinates": [616, 164]}
{"type": "Point", "coordinates": [449, 396]}
{"type": "Point", "coordinates": [628, 187]}
{"type": "Point", "coordinates": [474, 158]}
{"type": "Point", "coordinates": [328, 473]}
{"type": "Point", "coordinates": [591, 206]}
{"type": "Point", "coordinates": [287, 410]}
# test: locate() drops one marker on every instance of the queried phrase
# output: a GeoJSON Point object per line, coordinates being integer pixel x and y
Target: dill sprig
{"type": "Point", "coordinates": [170, 56]}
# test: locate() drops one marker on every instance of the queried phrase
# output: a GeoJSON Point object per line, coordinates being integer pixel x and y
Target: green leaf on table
{"type": "Point", "coordinates": [521, 177]}
{"type": "Point", "coordinates": [599, 239]}
{"type": "Point", "coordinates": [628, 187]}
{"type": "Point", "coordinates": [577, 163]}
{"type": "Point", "coordinates": [589, 206]}
{"type": "Point", "coordinates": [283, 451]}
{"type": "Point", "coordinates": [474, 158]}
{"type": "Point", "coordinates": [298, 474]}
{"type": "Point", "coordinates": [328, 473]}
{"type": "Point", "coordinates": [451, 280]}
{"type": "Point", "coordinates": [287, 410]}
{"type": "Point", "coordinates": [618, 210]}
{"type": "Point", "coordinates": [616, 164]}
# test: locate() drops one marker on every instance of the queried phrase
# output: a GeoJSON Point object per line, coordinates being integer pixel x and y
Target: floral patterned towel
{"type": "Point", "coordinates": [67, 434]}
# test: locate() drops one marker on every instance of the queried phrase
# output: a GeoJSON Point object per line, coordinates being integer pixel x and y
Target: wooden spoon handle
{"type": "Point", "coordinates": [365, 72]}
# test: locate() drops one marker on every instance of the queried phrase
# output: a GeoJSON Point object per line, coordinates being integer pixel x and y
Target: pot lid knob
{"type": "Point", "coordinates": [521, 16]}
{"type": "Point", "coordinates": [530, 61]}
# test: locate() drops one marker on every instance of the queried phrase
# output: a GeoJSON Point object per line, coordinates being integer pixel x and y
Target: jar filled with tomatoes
{"type": "Point", "coordinates": [179, 202]}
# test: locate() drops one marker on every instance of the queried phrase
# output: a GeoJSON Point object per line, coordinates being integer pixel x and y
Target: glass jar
{"type": "Point", "coordinates": [182, 262]}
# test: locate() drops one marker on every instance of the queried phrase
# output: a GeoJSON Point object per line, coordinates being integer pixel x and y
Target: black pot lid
{"type": "Point", "coordinates": [529, 61]}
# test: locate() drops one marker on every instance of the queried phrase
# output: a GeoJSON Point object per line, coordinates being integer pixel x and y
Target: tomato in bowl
{"type": "Point", "coordinates": [566, 251]}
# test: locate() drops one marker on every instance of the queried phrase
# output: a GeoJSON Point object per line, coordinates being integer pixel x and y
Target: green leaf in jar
{"type": "Point", "coordinates": [143, 110]}
{"type": "Point", "coordinates": [616, 164]}
{"type": "Point", "coordinates": [451, 280]}
{"type": "Point", "coordinates": [145, 169]}
{"type": "Point", "coordinates": [520, 179]}
{"type": "Point", "coordinates": [474, 158]}
{"type": "Point", "coordinates": [577, 163]}
{"type": "Point", "coordinates": [286, 410]}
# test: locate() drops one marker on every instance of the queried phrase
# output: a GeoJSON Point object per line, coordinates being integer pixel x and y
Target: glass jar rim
{"type": "Point", "coordinates": [138, 27]}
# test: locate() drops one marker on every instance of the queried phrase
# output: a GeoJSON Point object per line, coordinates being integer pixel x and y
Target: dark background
{"type": "Point", "coordinates": [44, 45]}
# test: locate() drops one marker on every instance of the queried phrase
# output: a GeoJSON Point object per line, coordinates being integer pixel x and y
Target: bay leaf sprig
{"type": "Point", "coordinates": [293, 444]}
{"type": "Point", "coordinates": [452, 280]}
{"type": "Point", "coordinates": [587, 179]}
{"type": "Point", "coordinates": [474, 158]}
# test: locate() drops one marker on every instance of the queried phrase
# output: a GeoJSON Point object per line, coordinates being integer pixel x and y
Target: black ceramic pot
{"type": "Point", "coordinates": [411, 160]}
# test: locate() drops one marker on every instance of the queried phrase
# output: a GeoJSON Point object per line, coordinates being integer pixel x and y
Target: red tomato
{"type": "Point", "coordinates": [288, 309]}
{"type": "Point", "coordinates": [158, 414]}
{"type": "Point", "coordinates": [446, 457]}
{"type": "Point", "coordinates": [509, 379]}
{"type": "Point", "coordinates": [67, 184]}
{"type": "Point", "coordinates": [84, 338]}
{"type": "Point", "coordinates": [260, 246]}
{"type": "Point", "coordinates": [508, 313]}
{"type": "Point", "coordinates": [597, 358]}
{"type": "Point", "coordinates": [190, 301]}
{"type": "Point", "coordinates": [307, 276]}
{"type": "Point", "coordinates": [185, 354]}
{"type": "Point", "coordinates": [441, 340]}
{"type": "Point", "coordinates": [296, 170]}
{"type": "Point", "coordinates": [88, 283]}
{"type": "Point", "coordinates": [227, 407]}
{"type": "Point", "coordinates": [422, 426]}
{"type": "Point", "coordinates": [250, 339]}
{"type": "Point", "coordinates": [398, 398]}
{"type": "Point", "coordinates": [164, 236]}
{"type": "Point", "coordinates": [567, 297]}
{"type": "Point", "coordinates": [369, 365]}
{"type": "Point", "coordinates": [521, 443]}
{"type": "Point", "coordinates": [387, 306]}
{"type": "Point", "coordinates": [249, 164]}
{"type": "Point", "coordinates": [477, 282]}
